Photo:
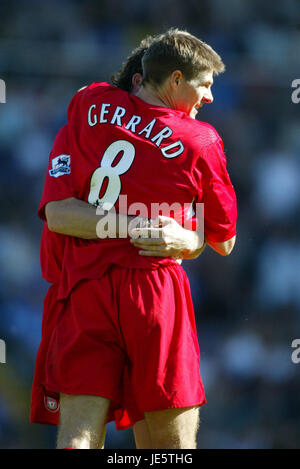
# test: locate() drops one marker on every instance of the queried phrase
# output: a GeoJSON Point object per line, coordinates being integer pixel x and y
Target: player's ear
{"type": "Point", "coordinates": [176, 79]}
{"type": "Point", "coordinates": [136, 82]}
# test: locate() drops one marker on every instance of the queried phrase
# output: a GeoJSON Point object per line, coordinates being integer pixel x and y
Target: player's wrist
{"type": "Point", "coordinates": [193, 245]}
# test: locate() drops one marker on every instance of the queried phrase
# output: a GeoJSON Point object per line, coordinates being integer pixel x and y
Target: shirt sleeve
{"type": "Point", "coordinates": [57, 184]}
{"type": "Point", "coordinates": [216, 192]}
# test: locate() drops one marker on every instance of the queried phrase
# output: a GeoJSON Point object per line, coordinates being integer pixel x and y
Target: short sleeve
{"type": "Point", "coordinates": [216, 192]}
{"type": "Point", "coordinates": [57, 184]}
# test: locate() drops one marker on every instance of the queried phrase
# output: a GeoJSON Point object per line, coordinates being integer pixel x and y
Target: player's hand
{"type": "Point", "coordinates": [164, 237]}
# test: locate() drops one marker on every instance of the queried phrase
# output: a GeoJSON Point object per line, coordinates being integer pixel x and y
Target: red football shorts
{"type": "Point", "coordinates": [44, 406]}
{"type": "Point", "coordinates": [129, 337]}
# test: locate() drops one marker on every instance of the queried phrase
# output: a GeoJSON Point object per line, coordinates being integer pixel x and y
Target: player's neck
{"type": "Point", "coordinates": [151, 97]}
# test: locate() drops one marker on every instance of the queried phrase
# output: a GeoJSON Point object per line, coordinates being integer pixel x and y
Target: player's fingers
{"type": "Point", "coordinates": [148, 242]}
{"type": "Point", "coordinates": [163, 221]}
{"type": "Point", "coordinates": [146, 232]}
{"type": "Point", "coordinates": [154, 253]}
{"type": "Point", "coordinates": [155, 223]}
{"type": "Point", "coordinates": [166, 251]}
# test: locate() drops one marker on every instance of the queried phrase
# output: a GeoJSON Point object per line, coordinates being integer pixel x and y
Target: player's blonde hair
{"type": "Point", "coordinates": [178, 50]}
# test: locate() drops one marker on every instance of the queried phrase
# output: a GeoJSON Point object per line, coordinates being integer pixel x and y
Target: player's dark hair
{"type": "Point", "coordinates": [133, 64]}
{"type": "Point", "coordinates": [178, 50]}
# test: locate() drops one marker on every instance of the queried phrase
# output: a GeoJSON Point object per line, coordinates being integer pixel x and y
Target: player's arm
{"type": "Point", "coordinates": [75, 217]}
{"type": "Point", "coordinates": [218, 197]}
{"type": "Point", "coordinates": [225, 248]}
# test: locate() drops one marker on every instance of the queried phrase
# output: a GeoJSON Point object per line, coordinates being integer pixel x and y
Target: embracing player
{"type": "Point", "coordinates": [179, 242]}
{"type": "Point", "coordinates": [150, 150]}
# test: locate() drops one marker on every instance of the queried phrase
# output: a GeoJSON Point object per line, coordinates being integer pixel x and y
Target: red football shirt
{"type": "Point", "coordinates": [56, 187]}
{"type": "Point", "coordinates": [122, 146]}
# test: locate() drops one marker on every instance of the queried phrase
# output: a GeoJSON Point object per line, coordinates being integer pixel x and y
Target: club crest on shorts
{"type": "Point", "coordinates": [60, 165]}
{"type": "Point", "coordinates": [51, 404]}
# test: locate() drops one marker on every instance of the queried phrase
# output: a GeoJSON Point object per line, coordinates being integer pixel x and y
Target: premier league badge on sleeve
{"type": "Point", "coordinates": [60, 165]}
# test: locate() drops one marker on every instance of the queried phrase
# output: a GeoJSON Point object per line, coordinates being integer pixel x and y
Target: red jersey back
{"type": "Point", "coordinates": [125, 149]}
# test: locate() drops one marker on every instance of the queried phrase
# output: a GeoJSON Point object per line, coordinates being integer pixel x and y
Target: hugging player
{"type": "Point", "coordinates": [137, 351]}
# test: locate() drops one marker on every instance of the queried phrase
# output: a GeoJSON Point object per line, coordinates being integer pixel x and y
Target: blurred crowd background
{"type": "Point", "coordinates": [248, 304]}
